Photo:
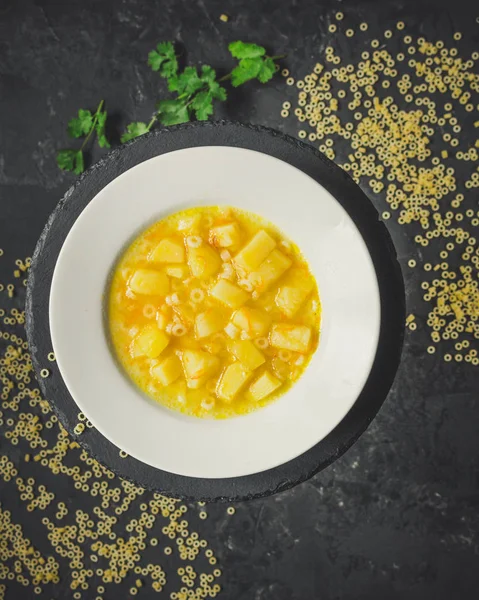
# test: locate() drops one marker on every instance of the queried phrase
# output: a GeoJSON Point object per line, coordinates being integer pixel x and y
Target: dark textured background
{"type": "Point", "coordinates": [397, 516]}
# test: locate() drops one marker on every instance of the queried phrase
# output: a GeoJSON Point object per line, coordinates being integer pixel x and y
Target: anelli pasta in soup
{"type": "Point", "coordinates": [213, 312]}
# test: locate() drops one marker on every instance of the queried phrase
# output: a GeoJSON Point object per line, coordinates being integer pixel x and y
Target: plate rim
{"type": "Point", "coordinates": [194, 135]}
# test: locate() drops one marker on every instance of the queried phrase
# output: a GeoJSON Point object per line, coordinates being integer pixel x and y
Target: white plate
{"type": "Point", "coordinates": [307, 214]}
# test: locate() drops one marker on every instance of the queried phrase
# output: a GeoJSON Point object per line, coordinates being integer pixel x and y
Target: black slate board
{"type": "Point", "coordinates": [354, 201]}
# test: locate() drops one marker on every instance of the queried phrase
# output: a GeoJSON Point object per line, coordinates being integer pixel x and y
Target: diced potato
{"type": "Point", "coordinates": [166, 310]}
{"type": "Point", "coordinates": [178, 271]}
{"type": "Point", "coordinates": [232, 331]}
{"type": "Point", "coordinates": [190, 224]}
{"type": "Point", "coordinates": [255, 252]}
{"type": "Point", "coordinates": [161, 320]}
{"type": "Point", "coordinates": [149, 282]}
{"type": "Point", "coordinates": [289, 299]}
{"type": "Point", "coordinates": [281, 369]}
{"type": "Point", "coordinates": [150, 342]}
{"type": "Point", "coordinates": [265, 385]}
{"type": "Point", "coordinates": [168, 250]}
{"type": "Point", "coordinates": [185, 342]}
{"type": "Point", "coordinates": [185, 313]}
{"type": "Point", "coordinates": [194, 384]}
{"type": "Point", "coordinates": [252, 320]}
{"type": "Point", "coordinates": [213, 346]}
{"type": "Point", "coordinates": [311, 309]}
{"type": "Point", "coordinates": [293, 292]}
{"type": "Point", "coordinates": [199, 366]}
{"type": "Point", "coordinates": [208, 322]}
{"type": "Point", "coordinates": [225, 236]}
{"type": "Point", "coordinates": [233, 379]}
{"type": "Point", "coordinates": [286, 336]}
{"type": "Point", "coordinates": [228, 293]}
{"type": "Point", "coordinates": [269, 271]}
{"type": "Point", "coordinates": [247, 353]}
{"type": "Point", "coordinates": [168, 370]}
{"type": "Point", "coordinates": [203, 261]}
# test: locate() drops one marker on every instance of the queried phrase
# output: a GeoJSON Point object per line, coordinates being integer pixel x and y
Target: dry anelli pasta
{"type": "Point", "coordinates": [398, 119]}
{"type": "Point", "coordinates": [108, 524]}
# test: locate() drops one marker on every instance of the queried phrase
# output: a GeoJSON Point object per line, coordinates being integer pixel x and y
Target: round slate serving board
{"type": "Point", "coordinates": [354, 201]}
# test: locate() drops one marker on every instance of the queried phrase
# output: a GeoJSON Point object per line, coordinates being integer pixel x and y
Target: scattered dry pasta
{"type": "Point", "coordinates": [109, 523]}
{"type": "Point", "coordinates": [397, 120]}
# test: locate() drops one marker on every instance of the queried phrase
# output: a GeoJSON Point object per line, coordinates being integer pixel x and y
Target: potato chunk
{"type": "Point", "coordinates": [225, 236]}
{"type": "Point", "coordinates": [177, 271]}
{"type": "Point", "coordinates": [168, 370]}
{"type": "Point", "coordinates": [149, 282]}
{"type": "Point", "coordinates": [161, 320]}
{"type": "Point", "coordinates": [185, 313]}
{"type": "Point", "coordinates": [269, 271]}
{"type": "Point", "coordinates": [198, 366]}
{"type": "Point", "coordinates": [233, 379]}
{"type": "Point", "coordinates": [281, 369]}
{"type": "Point", "coordinates": [208, 322]}
{"type": "Point", "coordinates": [296, 338]}
{"type": "Point", "coordinates": [265, 385]}
{"type": "Point", "coordinates": [247, 353]}
{"type": "Point", "coordinates": [228, 293]}
{"type": "Point", "coordinates": [203, 261]}
{"type": "Point", "coordinates": [254, 253]}
{"type": "Point", "coordinates": [252, 320]}
{"type": "Point", "coordinates": [293, 292]}
{"type": "Point", "coordinates": [150, 342]}
{"type": "Point", "coordinates": [168, 250]}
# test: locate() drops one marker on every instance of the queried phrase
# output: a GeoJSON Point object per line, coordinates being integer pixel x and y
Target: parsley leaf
{"type": "Point", "coordinates": [267, 70]}
{"type": "Point", "coordinates": [186, 83]}
{"type": "Point", "coordinates": [218, 91]}
{"type": "Point", "coordinates": [71, 160]}
{"type": "Point", "coordinates": [195, 93]}
{"type": "Point", "coordinates": [246, 50]}
{"type": "Point", "coordinates": [163, 60]}
{"type": "Point", "coordinates": [203, 105]}
{"type": "Point", "coordinates": [208, 76]}
{"type": "Point", "coordinates": [100, 129]}
{"type": "Point", "coordinates": [81, 125]}
{"type": "Point", "coordinates": [134, 130]}
{"type": "Point", "coordinates": [248, 68]}
{"type": "Point", "coordinates": [84, 125]}
{"type": "Point", "coordinates": [173, 112]}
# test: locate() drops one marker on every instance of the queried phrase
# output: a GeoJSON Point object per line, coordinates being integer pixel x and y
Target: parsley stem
{"type": "Point", "coordinates": [92, 129]}
{"type": "Point", "coordinates": [152, 122]}
{"type": "Point", "coordinates": [277, 56]}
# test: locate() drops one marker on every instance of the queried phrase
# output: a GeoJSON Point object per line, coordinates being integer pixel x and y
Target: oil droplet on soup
{"type": "Point", "coordinates": [214, 312]}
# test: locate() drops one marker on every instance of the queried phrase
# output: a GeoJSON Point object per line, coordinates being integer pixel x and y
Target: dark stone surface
{"type": "Point", "coordinates": [341, 186]}
{"type": "Point", "coordinates": [397, 516]}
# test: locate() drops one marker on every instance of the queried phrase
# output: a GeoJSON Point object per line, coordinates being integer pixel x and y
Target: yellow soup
{"type": "Point", "coordinates": [213, 312]}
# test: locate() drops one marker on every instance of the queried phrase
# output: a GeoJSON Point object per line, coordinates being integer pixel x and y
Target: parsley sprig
{"type": "Point", "coordinates": [83, 126]}
{"type": "Point", "coordinates": [196, 90]}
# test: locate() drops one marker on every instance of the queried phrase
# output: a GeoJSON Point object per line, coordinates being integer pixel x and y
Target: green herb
{"type": "Point", "coordinates": [71, 160]}
{"type": "Point", "coordinates": [253, 64]}
{"type": "Point", "coordinates": [134, 130]}
{"type": "Point", "coordinates": [163, 59]}
{"type": "Point", "coordinates": [83, 126]}
{"type": "Point", "coordinates": [196, 90]}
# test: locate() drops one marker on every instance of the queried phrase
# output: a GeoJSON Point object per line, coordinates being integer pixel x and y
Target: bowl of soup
{"type": "Point", "coordinates": [215, 311]}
